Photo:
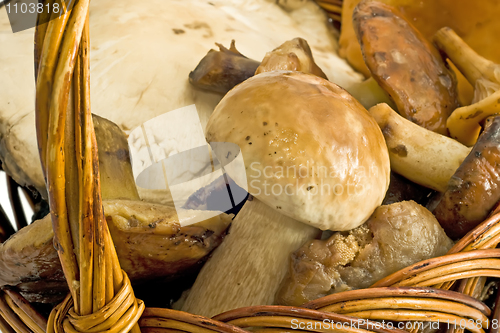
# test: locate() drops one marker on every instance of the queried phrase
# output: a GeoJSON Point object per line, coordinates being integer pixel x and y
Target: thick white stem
{"type": "Point", "coordinates": [249, 265]}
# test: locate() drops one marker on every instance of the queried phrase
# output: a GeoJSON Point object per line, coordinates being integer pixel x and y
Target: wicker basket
{"type": "Point", "coordinates": [101, 297]}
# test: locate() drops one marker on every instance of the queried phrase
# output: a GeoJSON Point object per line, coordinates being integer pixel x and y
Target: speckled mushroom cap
{"type": "Point", "coordinates": [311, 150]}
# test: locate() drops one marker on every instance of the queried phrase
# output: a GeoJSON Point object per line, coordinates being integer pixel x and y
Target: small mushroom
{"type": "Point", "coordinates": [484, 75]}
{"type": "Point", "coordinates": [219, 71]}
{"type": "Point", "coordinates": [292, 55]}
{"type": "Point", "coordinates": [424, 157]}
{"type": "Point", "coordinates": [406, 65]}
{"type": "Point", "coordinates": [314, 158]}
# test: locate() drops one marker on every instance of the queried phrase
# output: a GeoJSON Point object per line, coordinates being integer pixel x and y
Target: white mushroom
{"type": "Point", "coordinates": [314, 158]}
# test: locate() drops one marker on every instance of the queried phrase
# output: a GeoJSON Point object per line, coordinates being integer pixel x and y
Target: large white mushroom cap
{"type": "Point", "coordinates": [141, 56]}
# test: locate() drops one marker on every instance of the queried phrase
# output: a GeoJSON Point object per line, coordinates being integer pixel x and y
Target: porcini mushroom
{"type": "Point", "coordinates": [314, 158]}
{"type": "Point", "coordinates": [484, 75]}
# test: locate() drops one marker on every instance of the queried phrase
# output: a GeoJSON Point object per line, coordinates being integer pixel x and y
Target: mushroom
{"type": "Point", "coordinates": [474, 189]}
{"type": "Point", "coordinates": [484, 75]}
{"type": "Point", "coordinates": [424, 157]}
{"type": "Point", "coordinates": [314, 158]}
{"type": "Point", "coordinates": [219, 71]}
{"type": "Point", "coordinates": [149, 239]}
{"type": "Point", "coordinates": [292, 55]}
{"type": "Point", "coordinates": [394, 237]}
{"type": "Point", "coordinates": [406, 65]}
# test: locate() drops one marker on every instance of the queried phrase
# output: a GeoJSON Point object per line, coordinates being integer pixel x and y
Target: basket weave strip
{"type": "Point", "coordinates": [406, 303]}
{"type": "Point", "coordinates": [24, 310]}
{"type": "Point", "coordinates": [173, 324]}
{"type": "Point", "coordinates": [158, 318]}
{"type": "Point", "coordinates": [46, 56]}
{"type": "Point", "coordinates": [5, 327]}
{"type": "Point", "coordinates": [161, 330]}
{"type": "Point", "coordinates": [281, 316]}
{"type": "Point", "coordinates": [112, 319]}
{"type": "Point", "coordinates": [33, 326]}
{"type": "Point", "coordinates": [285, 322]}
{"type": "Point", "coordinates": [448, 264]}
{"type": "Point", "coordinates": [419, 281]}
{"type": "Point", "coordinates": [17, 323]}
{"type": "Point", "coordinates": [429, 316]}
{"type": "Point", "coordinates": [485, 236]}
{"type": "Point", "coordinates": [56, 66]}
{"type": "Point", "coordinates": [400, 292]}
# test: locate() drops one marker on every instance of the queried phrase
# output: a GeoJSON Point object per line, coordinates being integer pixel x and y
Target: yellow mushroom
{"type": "Point", "coordinates": [484, 75]}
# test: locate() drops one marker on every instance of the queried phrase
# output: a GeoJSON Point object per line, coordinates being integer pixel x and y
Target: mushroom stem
{"type": "Point", "coordinates": [249, 265]}
{"type": "Point", "coordinates": [472, 65]}
{"type": "Point", "coordinates": [422, 156]}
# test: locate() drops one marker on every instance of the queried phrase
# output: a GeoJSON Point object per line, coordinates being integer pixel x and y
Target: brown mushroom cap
{"type": "Point", "coordinates": [311, 151]}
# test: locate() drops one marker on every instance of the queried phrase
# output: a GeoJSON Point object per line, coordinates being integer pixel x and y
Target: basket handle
{"type": "Point", "coordinates": [101, 297]}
